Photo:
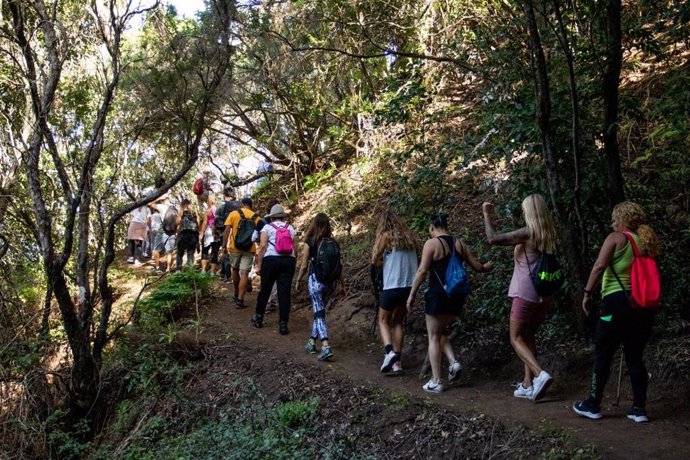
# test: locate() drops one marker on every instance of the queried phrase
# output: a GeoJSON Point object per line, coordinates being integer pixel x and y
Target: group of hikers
{"type": "Point", "coordinates": [243, 240]}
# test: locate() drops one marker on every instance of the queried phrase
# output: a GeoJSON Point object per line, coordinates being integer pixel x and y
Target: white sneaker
{"type": "Point", "coordinates": [130, 260]}
{"type": "Point", "coordinates": [137, 263]}
{"type": "Point", "coordinates": [522, 392]}
{"type": "Point", "coordinates": [540, 384]}
{"type": "Point", "coordinates": [397, 368]}
{"type": "Point", "coordinates": [431, 387]}
{"type": "Point", "coordinates": [454, 371]}
{"type": "Point", "coordinates": [388, 360]}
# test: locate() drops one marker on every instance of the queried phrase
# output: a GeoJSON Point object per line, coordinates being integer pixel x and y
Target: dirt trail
{"type": "Point", "coordinates": [615, 437]}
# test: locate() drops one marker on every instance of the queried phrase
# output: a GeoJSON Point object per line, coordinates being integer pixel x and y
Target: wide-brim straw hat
{"type": "Point", "coordinates": [277, 211]}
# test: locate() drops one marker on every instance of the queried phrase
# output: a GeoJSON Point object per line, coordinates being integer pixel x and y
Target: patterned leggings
{"type": "Point", "coordinates": [318, 293]}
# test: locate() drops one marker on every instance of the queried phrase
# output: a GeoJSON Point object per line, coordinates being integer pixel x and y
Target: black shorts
{"type": "Point", "coordinates": [438, 303]}
{"type": "Point", "coordinates": [394, 298]}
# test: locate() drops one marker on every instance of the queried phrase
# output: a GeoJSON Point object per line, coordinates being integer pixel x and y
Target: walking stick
{"type": "Point", "coordinates": [376, 274]}
{"type": "Point", "coordinates": [620, 376]}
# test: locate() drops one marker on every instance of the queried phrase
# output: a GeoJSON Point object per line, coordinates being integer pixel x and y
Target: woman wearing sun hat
{"type": "Point", "coordinates": [275, 263]}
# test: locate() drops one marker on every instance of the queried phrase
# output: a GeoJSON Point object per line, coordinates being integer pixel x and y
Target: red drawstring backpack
{"type": "Point", "coordinates": [645, 279]}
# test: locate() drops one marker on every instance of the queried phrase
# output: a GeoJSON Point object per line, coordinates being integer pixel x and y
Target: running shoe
{"type": "Point", "coordinates": [325, 354]}
{"type": "Point", "coordinates": [431, 387]}
{"type": "Point", "coordinates": [588, 409]}
{"type": "Point", "coordinates": [454, 371]}
{"type": "Point", "coordinates": [389, 359]}
{"type": "Point", "coordinates": [540, 384]}
{"type": "Point", "coordinates": [638, 415]}
{"type": "Point", "coordinates": [282, 328]}
{"type": "Point", "coordinates": [397, 368]}
{"type": "Point", "coordinates": [130, 260]}
{"type": "Point", "coordinates": [310, 347]}
{"type": "Point", "coordinates": [522, 392]}
{"type": "Point", "coordinates": [257, 321]}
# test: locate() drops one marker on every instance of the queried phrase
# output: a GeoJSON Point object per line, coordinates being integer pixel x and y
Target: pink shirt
{"type": "Point", "coordinates": [521, 283]}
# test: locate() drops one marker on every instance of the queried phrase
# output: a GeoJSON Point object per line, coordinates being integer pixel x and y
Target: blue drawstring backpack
{"type": "Point", "coordinates": [457, 283]}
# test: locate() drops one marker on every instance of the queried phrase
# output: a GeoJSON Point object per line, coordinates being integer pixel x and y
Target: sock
{"type": "Point", "coordinates": [389, 348]}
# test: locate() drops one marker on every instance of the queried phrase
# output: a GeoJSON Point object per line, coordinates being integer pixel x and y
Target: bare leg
{"type": "Point", "coordinates": [398, 328]}
{"type": "Point", "coordinates": [242, 282]}
{"type": "Point", "coordinates": [434, 328]}
{"type": "Point", "coordinates": [519, 333]}
{"type": "Point", "coordinates": [236, 281]}
{"type": "Point", "coordinates": [384, 327]}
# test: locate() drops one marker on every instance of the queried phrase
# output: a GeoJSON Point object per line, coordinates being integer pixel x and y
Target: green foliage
{"type": "Point", "coordinates": [150, 370]}
{"type": "Point", "coordinates": [68, 444]}
{"type": "Point", "coordinates": [176, 290]}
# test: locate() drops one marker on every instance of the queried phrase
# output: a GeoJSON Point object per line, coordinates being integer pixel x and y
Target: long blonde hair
{"type": "Point", "coordinates": [392, 233]}
{"type": "Point", "coordinates": [540, 226]}
{"type": "Point", "coordinates": [631, 216]}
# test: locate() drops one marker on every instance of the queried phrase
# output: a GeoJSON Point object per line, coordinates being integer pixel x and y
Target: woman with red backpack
{"type": "Point", "coordinates": [620, 318]}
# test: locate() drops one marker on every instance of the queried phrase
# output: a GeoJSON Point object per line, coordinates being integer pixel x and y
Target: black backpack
{"type": "Point", "coordinates": [189, 222]}
{"type": "Point", "coordinates": [170, 221]}
{"type": "Point", "coordinates": [327, 266]}
{"type": "Point", "coordinates": [222, 213]}
{"type": "Point", "coordinates": [245, 229]}
{"type": "Point", "coordinates": [547, 275]}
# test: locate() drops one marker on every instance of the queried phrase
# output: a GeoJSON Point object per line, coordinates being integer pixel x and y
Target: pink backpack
{"type": "Point", "coordinates": [645, 279]}
{"type": "Point", "coordinates": [283, 239]}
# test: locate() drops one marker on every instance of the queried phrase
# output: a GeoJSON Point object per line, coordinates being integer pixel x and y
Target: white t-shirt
{"type": "Point", "coordinates": [156, 222]}
{"type": "Point", "coordinates": [271, 232]}
{"type": "Point", "coordinates": [140, 215]}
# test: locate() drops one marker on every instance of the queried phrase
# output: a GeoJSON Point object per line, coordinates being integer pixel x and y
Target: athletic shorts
{"type": "Point", "coordinates": [523, 311]}
{"type": "Point", "coordinates": [394, 298]}
{"type": "Point", "coordinates": [438, 303]}
{"type": "Point", "coordinates": [242, 260]}
{"type": "Point", "coordinates": [164, 243]}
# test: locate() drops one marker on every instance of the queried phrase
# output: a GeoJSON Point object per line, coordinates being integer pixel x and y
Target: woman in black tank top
{"type": "Point", "coordinates": [439, 308]}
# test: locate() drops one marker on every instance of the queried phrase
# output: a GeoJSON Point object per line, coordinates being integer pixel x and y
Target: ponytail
{"type": "Point", "coordinates": [649, 241]}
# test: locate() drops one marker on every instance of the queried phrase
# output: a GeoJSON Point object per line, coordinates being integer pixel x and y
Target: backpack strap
{"type": "Point", "coordinates": [239, 210]}
{"type": "Point", "coordinates": [630, 238]}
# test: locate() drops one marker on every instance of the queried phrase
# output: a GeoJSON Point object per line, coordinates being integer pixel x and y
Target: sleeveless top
{"type": "Point", "coordinates": [521, 283]}
{"type": "Point", "coordinates": [622, 262]}
{"type": "Point", "coordinates": [399, 268]}
{"type": "Point", "coordinates": [438, 278]}
{"type": "Point", "coordinates": [211, 219]}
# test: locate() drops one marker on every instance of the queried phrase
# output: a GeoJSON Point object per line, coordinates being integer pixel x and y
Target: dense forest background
{"type": "Point", "coordinates": [422, 106]}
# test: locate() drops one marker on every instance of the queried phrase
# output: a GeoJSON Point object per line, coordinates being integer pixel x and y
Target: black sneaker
{"type": "Point", "coordinates": [638, 415]}
{"type": "Point", "coordinates": [587, 409]}
{"type": "Point", "coordinates": [283, 329]}
{"type": "Point", "coordinates": [257, 321]}
{"type": "Point", "coordinates": [239, 304]}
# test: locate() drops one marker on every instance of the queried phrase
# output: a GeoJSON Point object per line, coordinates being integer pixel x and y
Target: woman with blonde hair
{"type": "Point", "coordinates": [395, 249]}
{"type": "Point", "coordinates": [528, 309]}
{"type": "Point", "coordinates": [440, 309]}
{"type": "Point", "coordinates": [618, 320]}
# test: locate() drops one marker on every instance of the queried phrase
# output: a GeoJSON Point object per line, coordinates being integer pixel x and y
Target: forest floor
{"type": "Point", "coordinates": [284, 371]}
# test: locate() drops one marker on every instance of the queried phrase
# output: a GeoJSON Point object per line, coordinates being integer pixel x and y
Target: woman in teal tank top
{"type": "Point", "coordinates": [618, 321]}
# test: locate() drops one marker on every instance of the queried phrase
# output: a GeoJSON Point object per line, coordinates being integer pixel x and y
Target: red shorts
{"type": "Point", "coordinates": [528, 312]}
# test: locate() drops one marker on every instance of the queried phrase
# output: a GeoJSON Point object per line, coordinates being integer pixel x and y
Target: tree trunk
{"type": "Point", "coordinates": [611, 82]}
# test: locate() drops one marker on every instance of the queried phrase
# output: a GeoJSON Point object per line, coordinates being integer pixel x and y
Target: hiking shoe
{"type": "Point", "coordinates": [638, 415]}
{"type": "Point", "coordinates": [397, 368]}
{"type": "Point", "coordinates": [431, 387]}
{"type": "Point", "coordinates": [310, 347]}
{"type": "Point", "coordinates": [137, 263]}
{"type": "Point", "coordinates": [454, 371]}
{"type": "Point", "coordinates": [540, 384]}
{"type": "Point", "coordinates": [522, 392]}
{"type": "Point", "coordinates": [130, 260]}
{"type": "Point", "coordinates": [257, 321]}
{"type": "Point", "coordinates": [587, 409]}
{"type": "Point", "coordinates": [325, 354]}
{"type": "Point", "coordinates": [282, 328]}
{"type": "Point", "coordinates": [389, 359]}
{"type": "Point", "coordinates": [239, 304]}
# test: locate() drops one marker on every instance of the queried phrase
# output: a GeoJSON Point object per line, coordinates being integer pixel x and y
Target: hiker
{"type": "Point", "coordinates": [206, 238]}
{"type": "Point", "coordinates": [440, 309]}
{"type": "Point", "coordinates": [136, 233]}
{"type": "Point", "coordinates": [228, 205]}
{"type": "Point", "coordinates": [395, 249]}
{"type": "Point", "coordinates": [275, 263]}
{"type": "Point", "coordinates": [237, 241]}
{"type": "Point", "coordinates": [187, 232]}
{"type": "Point", "coordinates": [618, 320]}
{"type": "Point", "coordinates": [202, 189]}
{"type": "Point", "coordinates": [166, 237]}
{"type": "Point", "coordinates": [320, 255]}
{"type": "Point", "coordinates": [273, 298]}
{"type": "Point", "coordinates": [153, 223]}
{"type": "Point", "coordinates": [528, 309]}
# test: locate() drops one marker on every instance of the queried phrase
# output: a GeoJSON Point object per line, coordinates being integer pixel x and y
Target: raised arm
{"type": "Point", "coordinates": [502, 239]}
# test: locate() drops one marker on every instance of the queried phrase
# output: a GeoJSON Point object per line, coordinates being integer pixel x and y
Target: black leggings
{"type": "Point", "coordinates": [619, 323]}
{"type": "Point", "coordinates": [133, 246]}
{"type": "Point", "coordinates": [276, 270]}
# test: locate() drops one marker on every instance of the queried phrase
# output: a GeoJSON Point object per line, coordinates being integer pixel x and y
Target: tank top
{"type": "Point", "coordinates": [438, 278]}
{"type": "Point", "coordinates": [622, 263]}
{"type": "Point", "coordinates": [399, 268]}
{"type": "Point", "coordinates": [521, 283]}
{"type": "Point", "coordinates": [211, 219]}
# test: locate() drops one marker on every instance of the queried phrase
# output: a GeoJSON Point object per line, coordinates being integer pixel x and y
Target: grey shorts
{"type": "Point", "coordinates": [163, 242]}
{"type": "Point", "coordinates": [241, 260]}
